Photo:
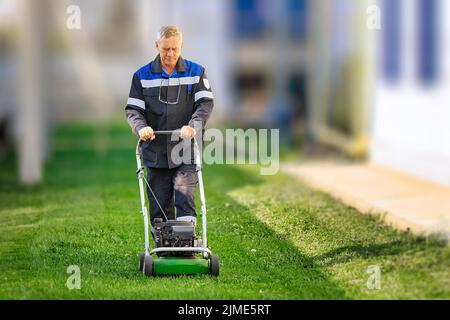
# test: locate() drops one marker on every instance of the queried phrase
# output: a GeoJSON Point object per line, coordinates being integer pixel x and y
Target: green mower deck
{"type": "Point", "coordinates": [177, 266]}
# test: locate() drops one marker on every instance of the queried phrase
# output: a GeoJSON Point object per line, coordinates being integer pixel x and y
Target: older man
{"type": "Point", "coordinates": [169, 93]}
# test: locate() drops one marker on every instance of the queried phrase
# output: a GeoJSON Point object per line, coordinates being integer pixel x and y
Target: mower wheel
{"type": "Point", "coordinates": [141, 261]}
{"type": "Point", "coordinates": [214, 266]}
{"type": "Point", "coordinates": [148, 266]}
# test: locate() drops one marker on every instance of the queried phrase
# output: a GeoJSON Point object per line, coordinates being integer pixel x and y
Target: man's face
{"type": "Point", "coordinates": [169, 50]}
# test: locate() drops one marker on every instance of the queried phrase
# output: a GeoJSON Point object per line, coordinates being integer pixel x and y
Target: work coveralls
{"type": "Point", "coordinates": [168, 102]}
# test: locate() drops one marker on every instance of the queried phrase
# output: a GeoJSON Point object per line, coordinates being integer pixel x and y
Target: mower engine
{"type": "Point", "coordinates": [174, 233]}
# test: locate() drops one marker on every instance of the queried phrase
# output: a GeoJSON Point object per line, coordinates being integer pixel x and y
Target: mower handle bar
{"type": "Point", "coordinates": [167, 132]}
{"type": "Point", "coordinates": [158, 132]}
{"type": "Point", "coordinates": [162, 132]}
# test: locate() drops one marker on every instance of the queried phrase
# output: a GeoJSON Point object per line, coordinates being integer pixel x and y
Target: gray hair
{"type": "Point", "coordinates": [169, 31]}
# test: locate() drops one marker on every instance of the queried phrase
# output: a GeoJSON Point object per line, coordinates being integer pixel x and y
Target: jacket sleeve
{"type": "Point", "coordinates": [203, 101]}
{"type": "Point", "coordinates": [135, 108]}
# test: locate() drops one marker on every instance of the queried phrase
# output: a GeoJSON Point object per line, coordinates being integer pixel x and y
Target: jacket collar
{"type": "Point", "coordinates": [156, 66]}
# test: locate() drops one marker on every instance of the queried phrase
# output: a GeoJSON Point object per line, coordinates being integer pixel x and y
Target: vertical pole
{"type": "Point", "coordinates": [142, 195]}
{"type": "Point", "coordinates": [281, 104]}
{"type": "Point", "coordinates": [31, 114]}
{"type": "Point", "coordinates": [198, 162]}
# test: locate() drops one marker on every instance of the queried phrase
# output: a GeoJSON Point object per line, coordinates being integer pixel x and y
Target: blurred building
{"type": "Point", "coordinates": [412, 92]}
{"type": "Point", "coordinates": [375, 93]}
{"type": "Point", "coordinates": [269, 59]}
{"type": "Point", "coordinates": [253, 50]}
{"type": "Point", "coordinates": [383, 93]}
{"type": "Point", "coordinates": [340, 75]}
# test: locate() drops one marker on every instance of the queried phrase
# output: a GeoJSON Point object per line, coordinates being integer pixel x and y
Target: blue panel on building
{"type": "Point", "coordinates": [392, 44]}
{"type": "Point", "coordinates": [427, 44]}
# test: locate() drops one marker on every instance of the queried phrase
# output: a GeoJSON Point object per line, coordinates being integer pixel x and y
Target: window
{"type": "Point", "coordinates": [391, 39]}
{"type": "Point", "coordinates": [249, 18]}
{"type": "Point", "coordinates": [297, 12]}
{"type": "Point", "coordinates": [427, 44]}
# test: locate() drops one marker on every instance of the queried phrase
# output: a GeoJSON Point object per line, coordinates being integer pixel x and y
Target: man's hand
{"type": "Point", "coordinates": [187, 132]}
{"type": "Point", "coordinates": [146, 133]}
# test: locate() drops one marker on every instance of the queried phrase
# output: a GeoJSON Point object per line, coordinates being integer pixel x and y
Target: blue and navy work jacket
{"type": "Point", "coordinates": [168, 102]}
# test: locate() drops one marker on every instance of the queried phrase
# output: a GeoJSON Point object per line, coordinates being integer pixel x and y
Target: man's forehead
{"type": "Point", "coordinates": [174, 40]}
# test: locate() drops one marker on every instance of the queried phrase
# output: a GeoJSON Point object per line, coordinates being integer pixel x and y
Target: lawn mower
{"type": "Point", "coordinates": [178, 249]}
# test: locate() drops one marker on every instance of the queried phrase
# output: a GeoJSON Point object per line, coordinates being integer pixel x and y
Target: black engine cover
{"type": "Point", "coordinates": [173, 233]}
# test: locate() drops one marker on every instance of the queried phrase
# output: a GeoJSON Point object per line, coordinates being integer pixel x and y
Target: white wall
{"type": "Point", "coordinates": [411, 123]}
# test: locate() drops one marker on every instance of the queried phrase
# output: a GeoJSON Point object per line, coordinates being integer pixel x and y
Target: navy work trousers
{"type": "Point", "coordinates": [174, 188]}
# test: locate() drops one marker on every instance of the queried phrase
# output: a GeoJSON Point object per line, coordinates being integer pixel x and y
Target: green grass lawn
{"type": "Point", "coordinates": [276, 238]}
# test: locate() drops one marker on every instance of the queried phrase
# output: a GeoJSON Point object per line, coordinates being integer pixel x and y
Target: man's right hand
{"type": "Point", "coordinates": [146, 133]}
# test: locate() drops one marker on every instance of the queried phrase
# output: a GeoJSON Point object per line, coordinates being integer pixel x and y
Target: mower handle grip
{"type": "Point", "coordinates": [197, 159]}
{"type": "Point", "coordinates": [161, 132]}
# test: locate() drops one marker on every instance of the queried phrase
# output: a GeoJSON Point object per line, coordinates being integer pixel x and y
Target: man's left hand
{"type": "Point", "coordinates": [187, 132]}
